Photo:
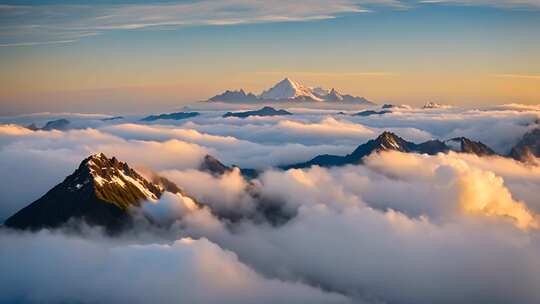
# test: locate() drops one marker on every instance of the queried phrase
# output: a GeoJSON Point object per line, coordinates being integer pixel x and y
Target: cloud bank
{"type": "Point", "coordinates": [192, 271]}
{"type": "Point", "coordinates": [400, 228]}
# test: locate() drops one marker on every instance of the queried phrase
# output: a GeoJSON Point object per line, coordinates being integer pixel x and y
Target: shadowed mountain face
{"type": "Point", "coordinates": [528, 147]}
{"type": "Point", "coordinates": [371, 112]}
{"type": "Point", "coordinates": [389, 141]}
{"type": "Point", "coordinates": [465, 145]}
{"type": "Point", "coordinates": [59, 124]}
{"type": "Point", "coordinates": [234, 96]}
{"type": "Point", "coordinates": [171, 116]}
{"type": "Point", "coordinates": [213, 166]}
{"type": "Point", "coordinates": [100, 192]}
{"type": "Point", "coordinates": [265, 111]}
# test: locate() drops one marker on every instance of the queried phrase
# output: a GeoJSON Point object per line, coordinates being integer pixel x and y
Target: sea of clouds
{"type": "Point", "coordinates": [401, 228]}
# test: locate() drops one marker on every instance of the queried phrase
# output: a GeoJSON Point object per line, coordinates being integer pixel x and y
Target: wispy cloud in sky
{"type": "Point", "coordinates": [495, 3]}
{"type": "Point", "coordinates": [28, 25]}
{"type": "Point", "coordinates": [43, 23]}
{"type": "Point", "coordinates": [523, 76]}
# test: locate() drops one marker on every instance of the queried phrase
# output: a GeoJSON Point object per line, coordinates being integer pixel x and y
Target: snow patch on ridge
{"type": "Point", "coordinates": [289, 89]}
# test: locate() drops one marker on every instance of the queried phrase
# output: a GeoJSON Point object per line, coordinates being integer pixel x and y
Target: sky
{"type": "Point", "coordinates": [135, 56]}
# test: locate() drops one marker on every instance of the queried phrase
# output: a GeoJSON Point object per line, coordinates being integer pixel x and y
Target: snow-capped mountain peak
{"type": "Point", "coordinates": [101, 191]}
{"type": "Point", "coordinates": [289, 89]}
{"type": "Point", "coordinates": [109, 173]}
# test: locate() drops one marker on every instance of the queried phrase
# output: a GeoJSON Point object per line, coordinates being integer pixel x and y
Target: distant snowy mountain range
{"type": "Point", "coordinates": [289, 90]}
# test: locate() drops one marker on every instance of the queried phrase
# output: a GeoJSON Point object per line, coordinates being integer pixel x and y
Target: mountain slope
{"type": "Point", "coordinates": [171, 116]}
{"type": "Point", "coordinates": [265, 111]}
{"type": "Point", "coordinates": [389, 141]}
{"type": "Point", "coordinates": [465, 145]}
{"type": "Point", "coordinates": [213, 166]}
{"type": "Point", "coordinates": [234, 96]}
{"type": "Point", "coordinates": [289, 89]}
{"type": "Point", "coordinates": [59, 124]}
{"type": "Point", "coordinates": [100, 192]}
{"type": "Point", "coordinates": [528, 147]}
{"type": "Point", "coordinates": [371, 112]}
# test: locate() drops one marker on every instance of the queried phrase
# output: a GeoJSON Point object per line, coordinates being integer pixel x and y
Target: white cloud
{"type": "Point", "coordinates": [402, 228]}
{"type": "Point", "coordinates": [51, 267]}
{"type": "Point", "coordinates": [395, 231]}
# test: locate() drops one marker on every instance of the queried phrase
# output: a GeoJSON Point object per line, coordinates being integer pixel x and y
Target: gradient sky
{"type": "Point", "coordinates": [128, 56]}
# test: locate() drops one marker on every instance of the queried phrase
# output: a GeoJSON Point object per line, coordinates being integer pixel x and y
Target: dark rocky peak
{"type": "Point", "coordinates": [59, 124]}
{"type": "Point", "coordinates": [465, 145]}
{"type": "Point", "coordinates": [100, 192]}
{"type": "Point", "coordinates": [171, 116]}
{"type": "Point", "coordinates": [239, 95]}
{"type": "Point", "coordinates": [212, 165]}
{"type": "Point", "coordinates": [371, 112]}
{"type": "Point", "coordinates": [432, 147]}
{"type": "Point", "coordinates": [32, 127]}
{"type": "Point", "coordinates": [111, 176]}
{"type": "Point", "coordinates": [528, 148]}
{"type": "Point", "coordinates": [390, 141]}
{"type": "Point", "coordinates": [112, 118]}
{"type": "Point", "coordinates": [265, 111]}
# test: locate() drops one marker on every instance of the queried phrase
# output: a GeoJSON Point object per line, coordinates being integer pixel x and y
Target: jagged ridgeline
{"type": "Point", "coordinates": [389, 141]}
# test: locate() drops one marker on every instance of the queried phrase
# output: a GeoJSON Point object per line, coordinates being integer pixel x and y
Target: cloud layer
{"type": "Point", "coordinates": [400, 228]}
{"type": "Point", "coordinates": [191, 271]}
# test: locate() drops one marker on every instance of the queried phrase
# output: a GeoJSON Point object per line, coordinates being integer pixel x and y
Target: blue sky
{"type": "Point", "coordinates": [403, 51]}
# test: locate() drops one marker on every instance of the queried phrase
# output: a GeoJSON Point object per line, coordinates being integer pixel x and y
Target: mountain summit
{"type": "Point", "coordinates": [388, 141]}
{"type": "Point", "coordinates": [288, 90]}
{"type": "Point", "coordinates": [528, 148]}
{"type": "Point", "coordinates": [100, 192]}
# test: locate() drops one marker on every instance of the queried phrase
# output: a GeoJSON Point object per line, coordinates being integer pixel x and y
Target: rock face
{"type": "Point", "coordinates": [371, 112]}
{"type": "Point", "coordinates": [59, 124]}
{"type": "Point", "coordinates": [234, 96]}
{"type": "Point", "coordinates": [465, 145]}
{"type": "Point", "coordinates": [113, 118]}
{"type": "Point", "coordinates": [213, 166]}
{"type": "Point", "coordinates": [99, 192]}
{"type": "Point", "coordinates": [389, 141]}
{"type": "Point", "coordinates": [171, 116]}
{"type": "Point", "coordinates": [528, 147]}
{"type": "Point", "coordinates": [266, 111]}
